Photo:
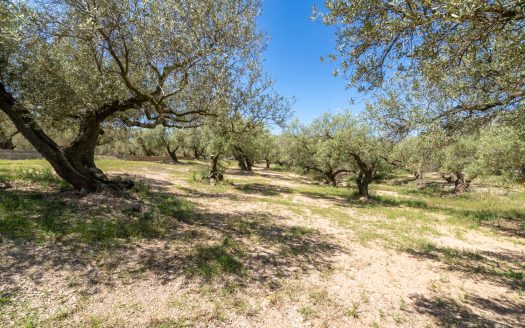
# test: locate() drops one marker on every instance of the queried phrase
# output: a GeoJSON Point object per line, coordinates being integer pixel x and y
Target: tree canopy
{"type": "Point", "coordinates": [468, 53]}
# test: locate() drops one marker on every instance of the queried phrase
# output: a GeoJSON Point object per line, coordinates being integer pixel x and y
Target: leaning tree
{"type": "Point", "coordinates": [85, 64]}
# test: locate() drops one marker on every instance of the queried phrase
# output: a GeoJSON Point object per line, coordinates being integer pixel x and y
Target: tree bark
{"type": "Point", "coordinates": [75, 162]}
{"type": "Point", "coordinates": [363, 180]}
{"type": "Point", "coordinates": [364, 177]}
{"type": "Point", "coordinates": [242, 164]}
{"type": "Point", "coordinates": [215, 176]}
{"type": "Point", "coordinates": [81, 152]}
{"type": "Point", "coordinates": [173, 154]}
{"type": "Point", "coordinates": [245, 163]}
{"type": "Point", "coordinates": [249, 164]}
{"type": "Point", "coordinates": [330, 178]}
{"type": "Point", "coordinates": [6, 140]}
{"type": "Point", "coordinates": [461, 184]}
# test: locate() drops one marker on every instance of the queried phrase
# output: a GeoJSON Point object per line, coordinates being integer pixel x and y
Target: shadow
{"type": "Point", "coordinates": [61, 243]}
{"type": "Point", "coordinates": [341, 196]}
{"type": "Point", "coordinates": [263, 189]}
{"type": "Point", "coordinates": [253, 248]}
{"type": "Point", "coordinates": [450, 313]}
{"type": "Point", "coordinates": [508, 222]}
{"type": "Point", "coordinates": [143, 182]}
{"type": "Point", "coordinates": [268, 174]}
{"type": "Point", "coordinates": [503, 269]}
{"type": "Point", "coordinates": [238, 172]}
{"type": "Point", "coordinates": [213, 194]}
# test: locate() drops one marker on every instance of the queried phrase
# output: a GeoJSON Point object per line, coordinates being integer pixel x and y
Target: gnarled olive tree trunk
{"type": "Point", "coordinates": [215, 176]}
{"type": "Point", "coordinates": [6, 140]}
{"type": "Point", "coordinates": [245, 163]}
{"type": "Point", "coordinates": [461, 184]}
{"type": "Point", "coordinates": [330, 178]}
{"type": "Point", "coordinates": [173, 154]}
{"type": "Point", "coordinates": [364, 177]}
{"type": "Point", "coordinates": [74, 163]}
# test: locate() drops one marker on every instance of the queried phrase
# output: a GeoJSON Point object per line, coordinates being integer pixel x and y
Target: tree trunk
{"type": "Point", "coordinates": [245, 163]}
{"type": "Point", "coordinates": [196, 153]}
{"type": "Point", "coordinates": [461, 184]}
{"type": "Point", "coordinates": [419, 178]}
{"type": "Point", "coordinates": [81, 152]}
{"type": "Point", "coordinates": [365, 176]}
{"type": "Point", "coordinates": [330, 179]}
{"type": "Point", "coordinates": [242, 164]}
{"type": "Point", "coordinates": [74, 163]}
{"type": "Point", "coordinates": [173, 154]}
{"type": "Point", "coordinates": [267, 163]}
{"type": "Point", "coordinates": [249, 164]}
{"type": "Point", "coordinates": [56, 156]}
{"type": "Point", "coordinates": [363, 180]}
{"type": "Point", "coordinates": [6, 140]}
{"type": "Point", "coordinates": [215, 176]}
{"type": "Point", "coordinates": [447, 178]}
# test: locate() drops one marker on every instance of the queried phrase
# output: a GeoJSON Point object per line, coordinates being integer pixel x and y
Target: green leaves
{"type": "Point", "coordinates": [469, 53]}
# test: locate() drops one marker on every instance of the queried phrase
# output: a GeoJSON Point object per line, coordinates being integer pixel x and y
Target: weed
{"type": "Point", "coordinates": [353, 311]}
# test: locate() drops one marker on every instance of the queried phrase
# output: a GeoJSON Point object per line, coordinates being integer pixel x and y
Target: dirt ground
{"type": "Point", "coordinates": [259, 254]}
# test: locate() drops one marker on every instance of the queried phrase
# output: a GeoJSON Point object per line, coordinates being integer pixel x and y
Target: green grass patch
{"type": "Point", "coordinates": [211, 261]}
{"type": "Point", "coordinates": [36, 216]}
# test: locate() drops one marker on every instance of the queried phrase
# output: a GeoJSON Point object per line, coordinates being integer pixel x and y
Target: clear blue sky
{"type": "Point", "coordinates": [293, 59]}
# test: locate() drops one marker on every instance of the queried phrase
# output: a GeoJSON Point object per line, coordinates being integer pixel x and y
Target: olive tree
{"type": "Point", "coordinates": [7, 134]}
{"type": "Point", "coordinates": [268, 145]}
{"type": "Point", "coordinates": [501, 152]}
{"type": "Point", "coordinates": [339, 143]}
{"type": "Point", "coordinates": [470, 51]}
{"type": "Point", "coordinates": [457, 160]}
{"type": "Point", "coordinates": [315, 148]}
{"type": "Point", "coordinates": [365, 152]}
{"type": "Point", "coordinates": [195, 141]}
{"type": "Point", "coordinates": [416, 154]}
{"type": "Point", "coordinates": [85, 64]}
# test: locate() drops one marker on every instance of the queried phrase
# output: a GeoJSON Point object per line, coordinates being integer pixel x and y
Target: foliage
{"type": "Point", "coordinates": [109, 64]}
{"type": "Point", "coordinates": [314, 147]}
{"type": "Point", "coordinates": [501, 152]}
{"type": "Point", "coordinates": [335, 144]}
{"type": "Point", "coordinates": [469, 53]}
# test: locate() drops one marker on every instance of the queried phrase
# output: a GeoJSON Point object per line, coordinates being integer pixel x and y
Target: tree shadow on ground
{"type": "Point", "coordinates": [254, 247]}
{"type": "Point", "coordinates": [450, 313]}
{"type": "Point", "coordinates": [239, 172]}
{"type": "Point", "coordinates": [509, 222]}
{"type": "Point", "coordinates": [48, 240]}
{"type": "Point", "coordinates": [268, 174]}
{"type": "Point", "coordinates": [213, 194]}
{"type": "Point", "coordinates": [263, 189]}
{"type": "Point", "coordinates": [145, 183]}
{"type": "Point", "coordinates": [500, 268]}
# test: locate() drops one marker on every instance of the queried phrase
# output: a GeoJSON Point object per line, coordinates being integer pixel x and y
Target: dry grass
{"type": "Point", "coordinates": [269, 249]}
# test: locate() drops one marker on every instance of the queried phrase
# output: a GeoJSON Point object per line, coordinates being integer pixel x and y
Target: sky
{"type": "Point", "coordinates": [293, 59]}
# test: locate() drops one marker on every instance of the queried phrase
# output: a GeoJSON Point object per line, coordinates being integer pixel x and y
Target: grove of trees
{"type": "Point", "coordinates": [185, 79]}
